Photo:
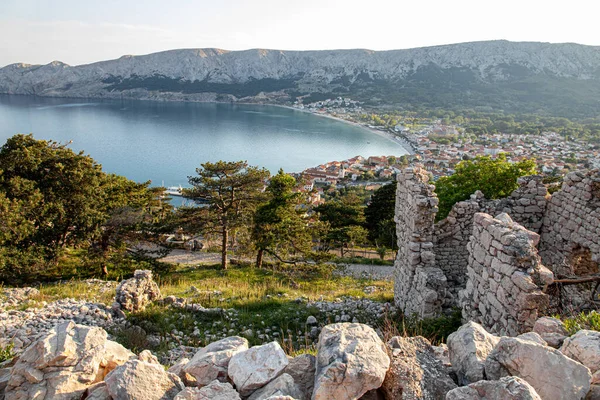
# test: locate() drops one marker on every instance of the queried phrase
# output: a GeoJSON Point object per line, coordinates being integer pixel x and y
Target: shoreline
{"type": "Point", "coordinates": [378, 132]}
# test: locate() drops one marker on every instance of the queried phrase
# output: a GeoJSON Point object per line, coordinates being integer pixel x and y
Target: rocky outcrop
{"type": "Point", "coordinates": [254, 368]}
{"type": "Point", "coordinates": [283, 385]}
{"type": "Point", "coordinates": [210, 74]}
{"type": "Point", "coordinates": [141, 380]}
{"type": "Point", "coordinates": [351, 360]}
{"type": "Point", "coordinates": [415, 372]}
{"type": "Point", "coordinates": [302, 369]}
{"type": "Point", "coordinates": [468, 349]}
{"type": "Point", "coordinates": [553, 375]}
{"type": "Point", "coordinates": [135, 293]}
{"type": "Point", "coordinates": [584, 346]}
{"type": "Point", "coordinates": [552, 330]}
{"type": "Point", "coordinates": [212, 361]}
{"type": "Point", "coordinates": [215, 390]}
{"type": "Point", "coordinates": [507, 388]}
{"type": "Point", "coordinates": [59, 366]}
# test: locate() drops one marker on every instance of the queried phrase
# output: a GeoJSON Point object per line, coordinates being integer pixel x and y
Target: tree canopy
{"type": "Point", "coordinates": [379, 217]}
{"type": "Point", "coordinates": [495, 177]}
{"type": "Point", "coordinates": [231, 192]}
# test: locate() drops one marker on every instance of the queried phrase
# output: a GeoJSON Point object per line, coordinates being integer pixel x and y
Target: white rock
{"type": "Point", "coordinates": [213, 391]}
{"type": "Point", "coordinates": [533, 337]}
{"type": "Point", "coordinates": [552, 330]}
{"type": "Point", "coordinates": [507, 388]}
{"type": "Point", "coordinates": [302, 369]}
{"type": "Point", "coordinates": [584, 346]}
{"type": "Point", "coordinates": [134, 294]}
{"type": "Point", "coordinates": [252, 369]}
{"type": "Point", "coordinates": [137, 380]}
{"type": "Point", "coordinates": [553, 375]}
{"type": "Point", "coordinates": [468, 348]}
{"type": "Point", "coordinates": [211, 362]}
{"type": "Point", "coordinates": [283, 385]}
{"type": "Point", "coordinates": [59, 366]}
{"type": "Point", "coordinates": [351, 360]}
{"type": "Point", "coordinates": [415, 372]}
{"type": "Point", "coordinates": [148, 357]}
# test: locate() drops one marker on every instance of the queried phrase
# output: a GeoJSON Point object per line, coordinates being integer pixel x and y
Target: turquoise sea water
{"type": "Point", "coordinates": [165, 141]}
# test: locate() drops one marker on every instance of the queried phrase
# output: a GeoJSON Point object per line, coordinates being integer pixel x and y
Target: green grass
{"type": "Point", "coordinates": [585, 320]}
{"type": "Point", "coordinates": [6, 352]}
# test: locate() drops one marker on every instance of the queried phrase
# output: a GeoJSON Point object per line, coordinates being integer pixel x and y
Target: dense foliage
{"type": "Point", "coordinates": [231, 191]}
{"type": "Point", "coordinates": [496, 178]}
{"type": "Point", "coordinates": [52, 198]}
{"type": "Point", "coordinates": [379, 217]}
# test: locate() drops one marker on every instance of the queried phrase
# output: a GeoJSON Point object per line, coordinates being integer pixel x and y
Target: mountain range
{"type": "Point", "coordinates": [560, 79]}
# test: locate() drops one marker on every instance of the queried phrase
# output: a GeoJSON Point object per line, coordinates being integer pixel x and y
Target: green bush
{"type": "Point", "coordinates": [6, 352]}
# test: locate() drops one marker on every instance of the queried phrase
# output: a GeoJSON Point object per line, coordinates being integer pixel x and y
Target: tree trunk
{"type": "Point", "coordinates": [259, 258]}
{"type": "Point", "coordinates": [224, 249]}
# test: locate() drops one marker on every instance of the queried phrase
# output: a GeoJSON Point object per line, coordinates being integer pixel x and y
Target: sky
{"type": "Point", "coordinates": [85, 31]}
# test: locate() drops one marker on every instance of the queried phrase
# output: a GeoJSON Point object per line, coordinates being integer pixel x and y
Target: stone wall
{"type": "Point", "coordinates": [420, 287]}
{"type": "Point", "coordinates": [571, 231]}
{"type": "Point", "coordinates": [505, 276]}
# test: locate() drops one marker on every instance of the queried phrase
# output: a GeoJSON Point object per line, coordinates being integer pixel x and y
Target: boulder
{"type": "Point", "coordinates": [212, 362]}
{"type": "Point", "coordinates": [254, 368]}
{"type": "Point", "coordinates": [468, 348]}
{"type": "Point", "coordinates": [60, 365]}
{"type": "Point", "coordinates": [134, 294]}
{"type": "Point", "coordinates": [148, 357]}
{"type": "Point", "coordinates": [283, 385]}
{"type": "Point", "coordinates": [415, 371]}
{"type": "Point", "coordinates": [551, 373]}
{"type": "Point", "coordinates": [302, 369]}
{"type": "Point", "coordinates": [177, 369]}
{"type": "Point", "coordinates": [215, 390]}
{"type": "Point", "coordinates": [97, 391]}
{"type": "Point", "coordinates": [137, 379]}
{"type": "Point", "coordinates": [533, 337]}
{"type": "Point", "coordinates": [552, 330]}
{"type": "Point", "coordinates": [4, 376]}
{"type": "Point", "coordinates": [351, 360]}
{"type": "Point", "coordinates": [584, 346]}
{"type": "Point", "coordinates": [507, 388]}
{"type": "Point", "coordinates": [114, 355]}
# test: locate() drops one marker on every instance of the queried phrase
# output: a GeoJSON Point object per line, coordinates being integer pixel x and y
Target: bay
{"type": "Point", "coordinates": [166, 141]}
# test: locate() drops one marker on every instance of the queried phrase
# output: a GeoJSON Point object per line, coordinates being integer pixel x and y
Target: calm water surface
{"type": "Point", "coordinates": [165, 141]}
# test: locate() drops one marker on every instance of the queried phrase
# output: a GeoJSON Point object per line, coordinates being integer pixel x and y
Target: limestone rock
{"type": "Point", "coordinates": [148, 357]}
{"type": "Point", "coordinates": [4, 376]}
{"type": "Point", "coordinates": [533, 337]}
{"type": "Point", "coordinates": [283, 385]}
{"type": "Point", "coordinates": [136, 380]}
{"type": "Point", "coordinates": [415, 372]}
{"type": "Point", "coordinates": [211, 362]}
{"type": "Point", "coordinates": [60, 365]}
{"type": "Point", "coordinates": [114, 355]}
{"type": "Point", "coordinates": [468, 348]}
{"type": "Point", "coordinates": [135, 293]}
{"type": "Point", "coordinates": [551, 373]}
{"type": "Point", "coordinates": [215, 390]}
{"type": "Point", "coordinates": [97, 391]}
{"type": "Point", "coordinates": [253, 368]}
{"type": "Point", "coordinates": [507, 388]}
{"type": "Point", "coordinates": [302, 369]}
{"type": "Point", "coordinates": [584, 346]}
{"type": "Point", "coordinates": [351, 360]}
{"type": "Point", "coordinates": [177, 369]}
{"type": "Point", "coordinates": [552, 330]}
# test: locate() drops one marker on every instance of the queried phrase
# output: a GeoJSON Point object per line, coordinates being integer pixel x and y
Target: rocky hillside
{"type": "Point", "coordinates": [559, 78]}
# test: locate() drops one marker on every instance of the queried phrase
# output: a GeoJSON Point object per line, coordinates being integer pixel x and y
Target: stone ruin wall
{"type": "Point", "coordinates": [505, 276]}
{"type": "Point", "coordinates": [526, 205]}
{"type": "Point", "coordinates": [569, 223]}
{"type": "Point", "coordinates": [420, 287]}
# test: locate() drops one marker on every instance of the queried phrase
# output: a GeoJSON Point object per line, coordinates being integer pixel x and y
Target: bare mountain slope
{"type": "Point", "coordinates": [561, 78]}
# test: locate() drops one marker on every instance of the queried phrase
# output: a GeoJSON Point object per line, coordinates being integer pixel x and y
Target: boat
{"type": "Point", "coordinates": [174, 191]}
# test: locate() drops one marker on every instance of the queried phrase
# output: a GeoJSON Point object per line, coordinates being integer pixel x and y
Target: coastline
{"type": "Point", "coordinates": [378, 132]}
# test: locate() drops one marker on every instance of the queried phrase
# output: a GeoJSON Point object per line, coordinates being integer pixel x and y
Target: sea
{"type": "Point", "coordinates": [165, 142]}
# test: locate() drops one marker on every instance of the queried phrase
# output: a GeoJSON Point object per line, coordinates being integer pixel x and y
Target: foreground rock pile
{"type": "Point", "coordinates": [352, 362]}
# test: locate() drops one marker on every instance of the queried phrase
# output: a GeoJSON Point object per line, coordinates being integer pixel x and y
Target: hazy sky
{"type": "Point", "coordinates": [83, 31]}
